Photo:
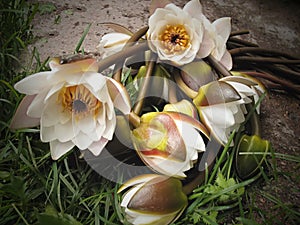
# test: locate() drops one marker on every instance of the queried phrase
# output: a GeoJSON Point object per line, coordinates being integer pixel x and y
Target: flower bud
{"type": "Point", "coordinates": [153, 199]}
{"type": "Point", "coordinates": [251, 153]}
{"type": "Point", "coordinates": [169, 142]}
{"type": "Point", "coordinates": [221, 104]}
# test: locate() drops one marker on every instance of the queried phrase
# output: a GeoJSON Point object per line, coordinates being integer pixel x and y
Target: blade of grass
{"type": "Point", "coordinates": [79, 44]}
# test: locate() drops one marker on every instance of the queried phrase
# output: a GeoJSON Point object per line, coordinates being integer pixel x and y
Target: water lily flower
{"type": "Point", "coordinates": [169, 142]}
{"type": "Point", "coordinates": [112, 43]}
{"type": "Point", "coordinates": [153, 199]}
{"type": "Point", "coordinates": [73, 104]}
{"type": "Point", "coordinates": [179, 35]}
{"type": "Point", "coordinates": [221, 105]}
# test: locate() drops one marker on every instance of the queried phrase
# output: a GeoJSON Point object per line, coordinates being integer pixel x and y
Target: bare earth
{"type": "Point", "coordinates": [272, 24]}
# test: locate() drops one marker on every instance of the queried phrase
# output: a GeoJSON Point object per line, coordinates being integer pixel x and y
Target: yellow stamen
{"type": "Point", "coordinates": [79, 101]}
{"type": "Point", "coordinates": [175, 38]}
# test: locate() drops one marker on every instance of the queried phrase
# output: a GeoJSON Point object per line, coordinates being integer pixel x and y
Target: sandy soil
{"type": "Point", "coordinates": [273, 24]}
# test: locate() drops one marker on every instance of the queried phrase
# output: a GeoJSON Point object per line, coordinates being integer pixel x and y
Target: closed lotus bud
{"type": "Point", "coordinates": [153, 199]}
{"type": "Point", "coordinates": [169, 142]}
{"type": "Point", "coordinates": [250, 155]}
{"type": "Point", "coordinates": [221, 105]}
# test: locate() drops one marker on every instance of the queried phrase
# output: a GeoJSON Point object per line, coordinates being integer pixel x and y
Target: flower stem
{"type": "Point", "coordinates": [239, 32]}
{"type": "Point", "coordinates": [134, 38]}
{"type": "Point", "coordinates": [221, 70]}
{"type": "Point", "coordinates": [122, 55]}
{"type": "Point", "coordinates": [286, 85]}
{"type": "Point", "coordinates": [266, 60]}
{"type": "Point", "coordinates": [145, 85]}
{"type": "Point", "coordinates": [259, 51]}
{"type": "Point", "coordinates": [134, 119]}
{"type": "Point", "coordinates": [242, 42]}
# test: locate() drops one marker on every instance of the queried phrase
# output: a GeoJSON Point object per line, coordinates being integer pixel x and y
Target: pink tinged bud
{"type": "Point", "coordinates": [169, 142]}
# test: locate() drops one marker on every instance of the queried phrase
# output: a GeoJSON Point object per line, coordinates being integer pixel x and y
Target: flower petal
{"type": "Point", "coordinates": [119, 96]}
{"type": "Point", "coordinates": [20, 118]}
{"type": "Point", "coordinates": [58, 149]}
{"type": "Point", "coordinates": [193, 8]}
{"type": "Point", "coordinates": [34, 84]}
{"type": "Point", "coordinates": [223, 27]}
{"type": "Point", "coordinates": [97, 146]}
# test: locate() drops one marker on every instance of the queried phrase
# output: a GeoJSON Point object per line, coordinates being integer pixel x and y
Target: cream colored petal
{"type": "Point", "coordinates": [156, 17]}
{"type": "Point", "coordinates": [167, 166]}
{"type": "Point", "coordinates": [226, 60]}
{"type": "Point", "coordinates": [242, 88]}
{"type": "Point", "coordinates": [82, 141]}
{"type": "Point", "coordinates": [93, 81]}
{"type": "Point", "coordinates": [191, 136]}
{"type": "Point", "coordinates": [53, 90]}
{"type": "Point", "coordinates": [129, 194]}
{"type": "Point", "coordinates": [36, 108]}
{"type": "Point", "coordinates": [34, 84]}
{"type": "Point", "coordinates": [51, 113]}
{"type": "Point", "coordinates": [193, 8]}
{"type": "Point", "coordinates": [110, 128]}
{"type": "Point", "coordinates": [220, 134]}
{"type": "Point", "coordinates": [97, 147]}
{"type": "Point", "coordinates": [102, 115]}
{"type": "Point", "coordinates": [58, 149]}
{"type": "Point", "coordinates": [20, 118]}
{"type": "Point", "coordinates": [219, 115]}
{"type": "Point", "coordinates": [86, 124]}
{"type": "Point", "coordinates": [48, 134]}
{"type": "Point", "coordinates": [223, 27]}
{"type": "Point", "coordinates": [65, 132]}
{"type": "Point", "coordinates": [119, 96]}
{"type": "Point", "coordinates": [138, 180]}
{"type": "Point", "coordinates": [110, 112]}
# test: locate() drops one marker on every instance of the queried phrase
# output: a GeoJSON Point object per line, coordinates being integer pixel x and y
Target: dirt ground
{"type": "Point", "coordinates": [272, 24]}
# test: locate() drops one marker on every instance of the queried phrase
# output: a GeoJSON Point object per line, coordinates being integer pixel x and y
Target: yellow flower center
{"type": "Point", "coordinates": [175, 38]}
{"type": "Point", "coordinates": [79, 101]}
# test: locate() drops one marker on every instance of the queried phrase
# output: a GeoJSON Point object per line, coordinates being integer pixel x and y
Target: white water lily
{"type": "Point", "coordinates": [153, 199]}
{"type": "Point", "coordinates": [112, 43]}
{"type": "Point", "coordinates": [178, 35]}
{"type": "Point", "coordinates": [169, 142]}
{"type": "Point", "coordinates": [73, 104]}
{"type": "Point", "coordinates": [221, 105]}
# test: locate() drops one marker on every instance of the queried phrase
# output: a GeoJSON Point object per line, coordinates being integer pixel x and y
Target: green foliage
{"type": "Point", "coordinates": [15, 30]}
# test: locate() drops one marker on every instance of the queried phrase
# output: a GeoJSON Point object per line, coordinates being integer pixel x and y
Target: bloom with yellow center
{"type": "Point", "coordinates": [177, 34]}
{"type": "Point", "coordinates": [73, 104]}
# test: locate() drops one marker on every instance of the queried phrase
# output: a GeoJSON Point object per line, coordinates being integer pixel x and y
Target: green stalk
{"type": "Point", "coordinates": [145, 85]}
{"type": "Point", "coordinates": [221, 70]}
{"type": "Point", "coordinates": [134, 38]}
{"type": "Point", "coordinates": [122, 55]}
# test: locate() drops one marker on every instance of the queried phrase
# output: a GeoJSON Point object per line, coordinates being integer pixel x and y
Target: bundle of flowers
{"type": "Point", "coordinates": [179, 91]}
